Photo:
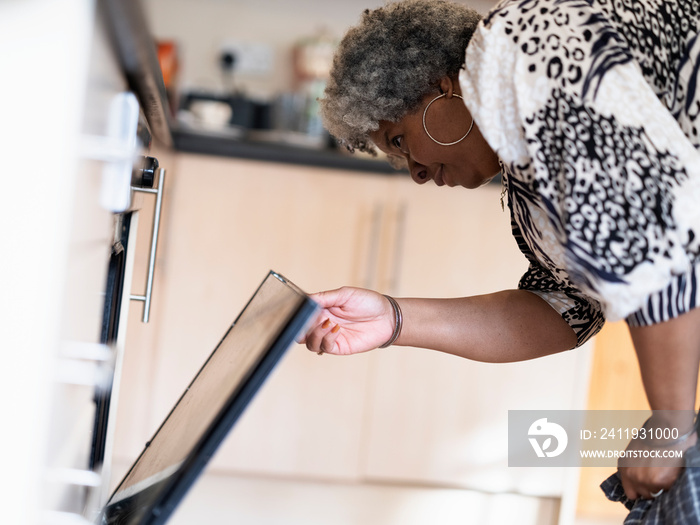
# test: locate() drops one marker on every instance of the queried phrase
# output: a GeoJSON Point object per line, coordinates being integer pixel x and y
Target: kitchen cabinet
{"type": "Point", "coordinates": [229, 222]}
{"type": "Point", "coordinates": [615, 384]}
{"type": "Point", "coordinates": [394, 417]}
{"type": "Point", "coordinates": [439, 419]}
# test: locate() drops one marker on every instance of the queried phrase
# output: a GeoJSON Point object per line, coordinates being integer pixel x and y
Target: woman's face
{"type": "Point", "coordinates": [469, 163]}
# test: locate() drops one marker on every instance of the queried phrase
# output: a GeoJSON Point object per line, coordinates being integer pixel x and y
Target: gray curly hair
{"type": "Point", "coordinates": [385, 65]}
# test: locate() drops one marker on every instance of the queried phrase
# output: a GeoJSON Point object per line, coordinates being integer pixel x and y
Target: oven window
{"type": "Point", "coordinates": [114, 294]}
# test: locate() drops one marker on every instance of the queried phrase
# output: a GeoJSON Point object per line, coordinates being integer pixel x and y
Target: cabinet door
{"type": "Point", "coordinates": [615, 384]}
{"type": "Point", "coordinates": [229, 222]}
{"type": "Point", "coordinates": [439, 419]}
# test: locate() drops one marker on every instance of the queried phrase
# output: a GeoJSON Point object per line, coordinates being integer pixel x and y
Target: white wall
{"type": "Point", "coordinates": [201, 26]}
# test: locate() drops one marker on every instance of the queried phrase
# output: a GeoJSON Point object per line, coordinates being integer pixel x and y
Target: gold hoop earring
{"type": "Point", "coordinates": [433, 138]}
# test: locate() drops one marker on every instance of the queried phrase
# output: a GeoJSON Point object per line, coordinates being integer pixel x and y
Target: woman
{"type": "Point", "coordinates": [589, 111]}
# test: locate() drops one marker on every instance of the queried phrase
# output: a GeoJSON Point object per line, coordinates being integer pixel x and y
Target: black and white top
{"type": "Point", "coordinates": [592, 106]}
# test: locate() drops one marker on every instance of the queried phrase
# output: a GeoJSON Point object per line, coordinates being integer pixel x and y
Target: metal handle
{"type": "Point", "coordinates": [154, 244]}
{"type": "Point", "coordinates": [399, 238]}
{"type": "Point", "coordinates": [374, 246]}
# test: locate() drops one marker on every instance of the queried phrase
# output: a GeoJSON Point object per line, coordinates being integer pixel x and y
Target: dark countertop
{"type": "Point", "coordinates": [137, 54]}
{"type": "Point", "coordinates": [196, 142]}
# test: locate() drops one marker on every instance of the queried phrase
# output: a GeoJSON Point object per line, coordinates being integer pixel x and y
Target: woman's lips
{"type": "Point", "coordinates": [437, 178]}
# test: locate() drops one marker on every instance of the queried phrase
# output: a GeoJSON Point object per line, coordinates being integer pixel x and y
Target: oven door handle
{"type": "Point", "coordinates": [146, 298]}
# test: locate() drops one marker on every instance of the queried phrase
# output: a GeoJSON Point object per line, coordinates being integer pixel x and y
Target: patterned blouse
{"type": "Point", "coordinates": [592, 107]}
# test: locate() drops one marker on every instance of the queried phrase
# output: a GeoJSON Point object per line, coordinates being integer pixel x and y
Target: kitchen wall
{"type": "Point", "coordinates": [201, 27]}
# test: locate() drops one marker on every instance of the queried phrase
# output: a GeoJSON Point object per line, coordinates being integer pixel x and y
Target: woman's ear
{"type": "Point", "coordinates": [449, 86]}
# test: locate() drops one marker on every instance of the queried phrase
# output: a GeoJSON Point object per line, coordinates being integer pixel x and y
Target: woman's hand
{"type": "Point", "coordinates": [352, 320]}
{"type": "Point", "coordinates": [645, 477]}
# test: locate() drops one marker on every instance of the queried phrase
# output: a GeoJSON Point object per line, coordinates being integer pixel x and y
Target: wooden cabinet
{"type": "Point", "coordinates": [615, 384]}
{"type": "Point", "coordinates": [394, 416]}
{"type": "Point", "coordinates": [441, 420]}
{"type": "Point", "coordinates": [227, 223]}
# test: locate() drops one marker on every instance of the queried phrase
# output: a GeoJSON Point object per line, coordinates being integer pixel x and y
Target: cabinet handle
{"type": "Point", "coordinates": [154, 244]}
{"type": "Point", "coordinates": [374, 246]}
{"type": "Point", "coordinates": [399, 238]}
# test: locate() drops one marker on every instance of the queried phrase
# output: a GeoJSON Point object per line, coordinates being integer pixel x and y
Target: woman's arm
{"type": "Point", "coordinates": [512, 325]}
{"type": "Point", "coordinates": [669, 356]}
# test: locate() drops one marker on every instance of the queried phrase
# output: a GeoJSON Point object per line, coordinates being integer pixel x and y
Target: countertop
{"type": "Point", "coordinates": [197, 142]}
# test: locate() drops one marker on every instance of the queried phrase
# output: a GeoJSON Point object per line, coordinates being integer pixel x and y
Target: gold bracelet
{"type": "Point", "coordinates": [398, 322]}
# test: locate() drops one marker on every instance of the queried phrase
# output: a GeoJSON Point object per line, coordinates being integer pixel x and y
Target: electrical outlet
{"type": "Point", "coordinates": [249, 57]}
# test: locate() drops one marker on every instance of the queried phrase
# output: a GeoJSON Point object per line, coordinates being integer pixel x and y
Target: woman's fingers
{"type": "Point", "coordinates": [321, 339]}
{"type": "Point", "coordinates": [646, 482]}
{"type": "Point", "coordinates": [643, 477]}
{"type": "Point", "coordinates": [328, 298]}
{"type": "Point", "coordinates": [628, 486]}
{"type": "Point", "coordinates": [302, 339]}
{"type": "Point", "coordinates": [325, 300]}
{"type": "Point", "coordinates": [328, 341]}
{"type": "Point", "coordinates": [313, 338]}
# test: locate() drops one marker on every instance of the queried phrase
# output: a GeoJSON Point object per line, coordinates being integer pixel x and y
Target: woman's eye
{"type": "Point", "coordinates": [397, 141]}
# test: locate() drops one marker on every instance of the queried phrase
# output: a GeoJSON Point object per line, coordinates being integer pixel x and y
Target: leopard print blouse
{"type": "Point", "coordinates": [592, 107]}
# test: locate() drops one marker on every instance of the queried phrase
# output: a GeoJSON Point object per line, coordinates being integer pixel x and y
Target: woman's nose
{"type": "Point", "coordinates": [419, 173]}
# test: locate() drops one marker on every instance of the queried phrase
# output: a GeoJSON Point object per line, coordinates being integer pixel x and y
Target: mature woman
{"type": "Point", "coordinates": [589, 111]}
